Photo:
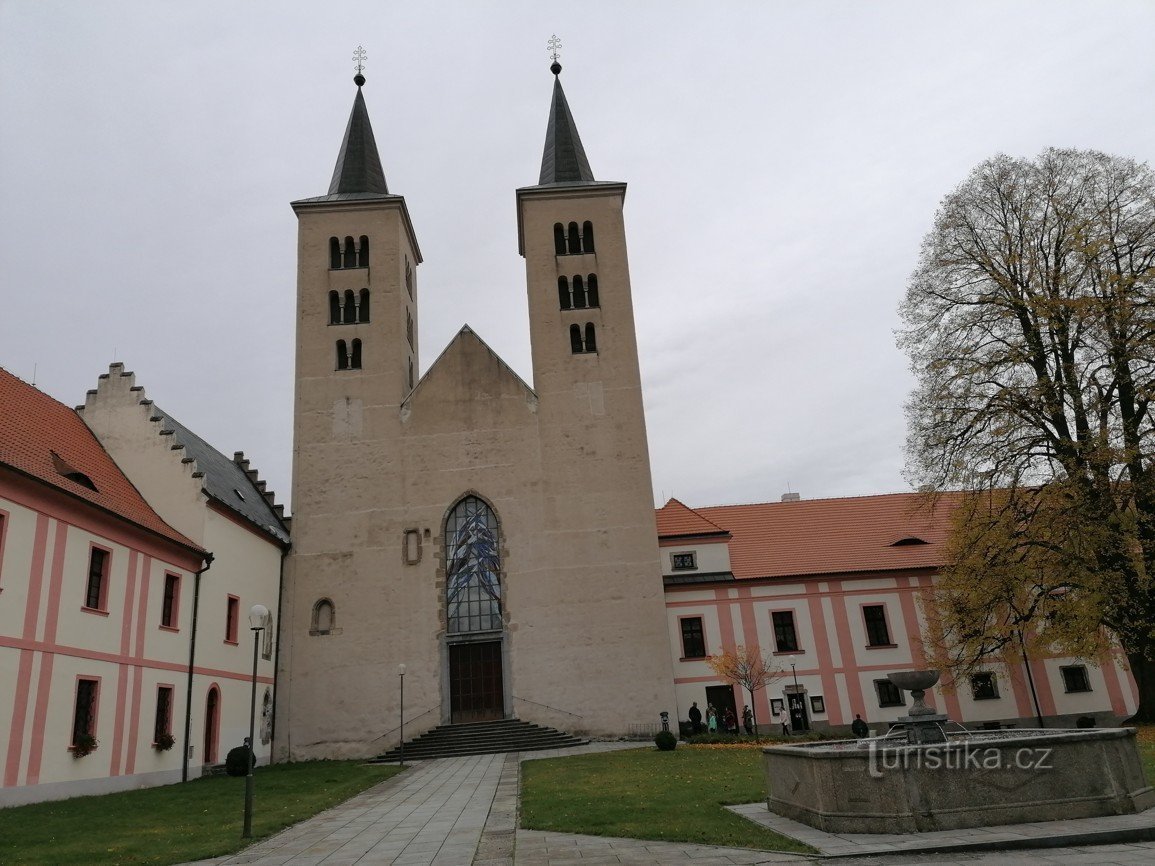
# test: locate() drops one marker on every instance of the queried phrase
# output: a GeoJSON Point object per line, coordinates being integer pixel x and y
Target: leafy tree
{"type": "Point", "coordinates": [1030, 324]}
{"type": "Point", "coordinates": [746, 667]}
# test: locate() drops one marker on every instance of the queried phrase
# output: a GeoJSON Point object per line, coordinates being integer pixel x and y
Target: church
{"type": "Point", "coordinates": [489, 540]}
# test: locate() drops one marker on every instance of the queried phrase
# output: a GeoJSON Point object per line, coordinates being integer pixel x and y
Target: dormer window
{"type": "Point", "coordinates": [683, 561]}
{"type": "Point", "coordinates": [909, 541]}
{"type": "Point", "coordinates": [72, 474]}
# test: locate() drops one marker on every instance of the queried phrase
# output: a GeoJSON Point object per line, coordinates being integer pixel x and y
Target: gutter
{"type": "Point", "coordinates": [192, 655]}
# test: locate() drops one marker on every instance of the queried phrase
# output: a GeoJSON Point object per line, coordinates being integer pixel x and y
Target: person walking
{"type": "Point", "coordinates": [695, 718]}
{"type": "Point", "coordinates": [748, 719]}
{"type": "Point", "coordinates": [858, 727]}
{"type": "Point", "coordinates": [730, 721]}
{"type": "Point", "coordinates": [711, 719]}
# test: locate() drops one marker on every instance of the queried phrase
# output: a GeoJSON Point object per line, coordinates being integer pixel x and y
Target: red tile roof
{"type": "Point", "coordinates": [827, 536]}
{"type": "Point", "coordinates": [43, 438]}
{"type": "Point", "coordinates": [677, 519]}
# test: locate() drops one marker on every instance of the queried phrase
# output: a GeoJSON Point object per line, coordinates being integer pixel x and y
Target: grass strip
{"type": "Point", "coordinates": [673, 796]}
{"type": "Point", "coordinates": [177, 823]}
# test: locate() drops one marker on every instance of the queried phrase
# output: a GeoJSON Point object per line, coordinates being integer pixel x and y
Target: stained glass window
{"type": "Point", "coordinates": [473, 582]}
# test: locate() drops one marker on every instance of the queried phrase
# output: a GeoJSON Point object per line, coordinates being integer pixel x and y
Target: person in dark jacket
{"type": "Point", "coordinates": [748, 719]}
{"type": "Point", "coordinates": [858, 727]}
{"type": "Point", "coordinates": [695, 718]}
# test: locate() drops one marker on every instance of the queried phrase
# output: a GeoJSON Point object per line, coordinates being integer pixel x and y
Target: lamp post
{"type": "Point", "coordinates": [258, 620]}
{"type": "Point", "coordinates": [401, 674]}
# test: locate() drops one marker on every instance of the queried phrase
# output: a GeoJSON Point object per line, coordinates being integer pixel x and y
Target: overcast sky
{"type": "Point", "coordinates": [784, 161]}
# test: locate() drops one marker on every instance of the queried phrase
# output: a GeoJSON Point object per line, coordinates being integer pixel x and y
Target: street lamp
{"type": "Point", "coordinates": [401, 674]}
{"type": "Point", "coordinates": [258, 621]}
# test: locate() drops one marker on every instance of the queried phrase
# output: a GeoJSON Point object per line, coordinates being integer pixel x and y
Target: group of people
{"type": "Point", "coordinates": [727, 723]}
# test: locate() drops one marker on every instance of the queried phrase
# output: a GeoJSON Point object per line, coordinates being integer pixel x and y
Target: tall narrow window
{"type": "Point", "coordinates": [267, 637]}
{"type": "Point", "coordinates": [322, 617]}
{"type": "Point", "coordinates": [563, 297]}
{"type": "Point", "coordinates": [472, 568]}
{"type": "Point", "coordinates": [575, 339]}
{"type": "Point", "coordinates": [785, 637]}
{"type": "Point", "coordinates": [355, 358]}
{"type": "Point", "coordinates": [591, 338]}
{"type": "Point", "coordinates": [363, 306]}
{"type": "Point", "coordinates": [575, 239]}
{"type": "Point", "coordinates": [409, 328]}
{"type": "Point", "coordinates": [579, 293]}
{"type": "Point", "coordinates": [334, 308]}
{"type": "Point", "coordinates": [559, 239]}
{"type": "Point", "coordinates": [587, 237]}
{"type": "Point", "coordinates": [592, 291]}
{"type": "Point", "coordinates": [170, 605]}
{"type": "Point", "coordinates": [3, 528]}
{"type": "Point", "coordinates": [350, 257]}
{"type": "Point", "coordinates": [334, 253]}
{"type": "Point", "coordinates": [363, 252]}
{"type": "Point", "coordinates": [408, 277]}
{"type": "Point", "coordinates": [350, 311]}
{"type": "Point", "coordinates": [96, 591]}
{"type": "Point", "coordinates": [410, 374]}
{"type": "Point", "coordinates": [342, 356]}
{"type": "Point", "coordinates": [877, 634]}
{"type": "Point", "coordinates": [84, 713]}
{"type": "Point", "coordinates": [232, 618]}
{"type": "Point", "coordinates": [693, 638]}
{"type": "Point", "coordinates": [163, 723]}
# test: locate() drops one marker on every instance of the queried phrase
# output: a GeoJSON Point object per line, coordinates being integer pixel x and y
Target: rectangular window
{"type": "Point", "coordinates": [785, 638]}
{"type": "Point", "coordinates": [1075, 679]}
{"type": "Point", "coordinates": [163, 723]}
{"type": "Point", "coordinates": [267, 637]}
{"type": "Point", "coordinates": [170, 607]}
{"type": "Point", "coordinates": [817, 704]}
{"type": "Point", "coordinates": [232, 612]}
{"type": "Point", "coordinates": [683, 561]}
{"type": "Point", "coordinates": [693, 638]}
{"type": "Point", "coordinates": [96, 591]}
{"type": "Point", "coordinates": [84, 715]}
{"type": "Point", "coordinates": [889, 695]}
{"type": "Point", "coordinates": [3, 529]}
{"type": "Point", "coordinates": [984, 687]}
{"type": "Point", "coordinates": [877, 634]}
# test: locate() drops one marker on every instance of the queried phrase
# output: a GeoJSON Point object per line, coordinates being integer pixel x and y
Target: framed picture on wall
{"type": "Point", "coordinates": [776, 706]}
{"type": "Point", "coordinates": [817, 704]}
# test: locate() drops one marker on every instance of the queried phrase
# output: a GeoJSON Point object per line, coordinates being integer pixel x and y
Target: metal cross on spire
{"type": "Point", "coordinates": [359, 55]}
{"type": "Point", "coordinates": [553, 45]}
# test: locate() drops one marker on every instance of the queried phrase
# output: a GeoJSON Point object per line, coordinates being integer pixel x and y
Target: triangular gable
{"type": "Point", "coordinates": [676, 519]}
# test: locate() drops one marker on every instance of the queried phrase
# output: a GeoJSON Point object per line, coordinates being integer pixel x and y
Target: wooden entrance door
{"type": "Point", "coordinates": [475, 684]}
{"type": "Point", "coordinates": [721, 698]}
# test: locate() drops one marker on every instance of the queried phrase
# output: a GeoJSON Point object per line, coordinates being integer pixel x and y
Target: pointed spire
{"type": "Point", "coordinates": [564, 159]}
{"type": "Point", "coordinates": [358, 165]}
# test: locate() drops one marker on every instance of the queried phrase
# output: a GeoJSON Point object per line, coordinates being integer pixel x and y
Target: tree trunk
{"type": "Point", "coordinates": [1143, 670]}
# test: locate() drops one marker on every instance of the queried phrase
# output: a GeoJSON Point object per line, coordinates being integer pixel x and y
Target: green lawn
{"type": "Point", "coordinates": [1145, 738]}
{"type": "Point", "coordinates": [646, 794]}
{"type": "Point", "coordinates": [176, 823]}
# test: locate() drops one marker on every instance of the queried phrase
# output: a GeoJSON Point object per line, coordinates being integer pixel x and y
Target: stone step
{"type": "Point", "coordinates": [482, 738]}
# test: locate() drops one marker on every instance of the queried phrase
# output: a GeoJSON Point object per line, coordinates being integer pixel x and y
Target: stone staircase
{"type": "Point", "coordinates": [482, 738]}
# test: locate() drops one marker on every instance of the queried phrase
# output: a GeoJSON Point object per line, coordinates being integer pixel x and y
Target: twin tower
{"type": "Point", "coordinates": [496, 539]}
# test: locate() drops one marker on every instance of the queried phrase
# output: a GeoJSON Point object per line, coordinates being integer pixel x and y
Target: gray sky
{"type": "Point", "coordinates": [784, 161]}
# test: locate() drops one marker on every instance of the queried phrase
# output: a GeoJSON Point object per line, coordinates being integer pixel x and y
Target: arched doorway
{"type": "Point", "coordinates": [212, 724]}
{"type": "Point", "coordinates": [473, 621]}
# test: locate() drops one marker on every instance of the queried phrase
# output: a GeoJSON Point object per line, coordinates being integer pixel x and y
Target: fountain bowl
{"type": "Point", "coordinates": [915, 681]}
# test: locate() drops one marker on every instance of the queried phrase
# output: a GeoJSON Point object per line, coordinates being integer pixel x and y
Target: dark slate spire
{"type": "Point", "coordinates": [358, 165]}
{"type": "Point", "coordinates": [564, 159]}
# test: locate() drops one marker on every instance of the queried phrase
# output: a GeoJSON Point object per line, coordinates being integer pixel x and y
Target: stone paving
{"type": "Point", "coordinates": [461, 811]}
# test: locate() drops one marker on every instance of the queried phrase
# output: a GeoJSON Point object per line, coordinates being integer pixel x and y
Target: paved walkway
{"type": "Point", "coordinates": [461, 811]}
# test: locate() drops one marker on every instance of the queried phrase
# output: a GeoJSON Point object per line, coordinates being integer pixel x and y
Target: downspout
{"type": "Point", "coordinates": [192, 655]}
{"type": "Point", "coordinates": [277, 652]}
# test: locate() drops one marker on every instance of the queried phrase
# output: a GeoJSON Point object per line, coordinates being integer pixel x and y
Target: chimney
{"type": "Point", "coordinates": [791, 497]}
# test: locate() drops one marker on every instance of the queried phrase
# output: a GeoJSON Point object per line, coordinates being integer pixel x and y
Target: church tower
{"type": "Point", "coordinates": [495, 541]}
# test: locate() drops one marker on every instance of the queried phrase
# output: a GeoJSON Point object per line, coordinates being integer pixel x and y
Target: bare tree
{"type": "Point", "coordinates": [1030, 324]}
{"type": "Point", "coordinates": [746, 667]}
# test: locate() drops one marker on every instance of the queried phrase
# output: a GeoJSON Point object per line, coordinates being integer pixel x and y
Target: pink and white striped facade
{"type": "Point", "coordinates": [858, 547]}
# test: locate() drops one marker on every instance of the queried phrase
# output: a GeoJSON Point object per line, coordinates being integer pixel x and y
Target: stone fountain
{"type": "Point", "coordinates": [923, 724]}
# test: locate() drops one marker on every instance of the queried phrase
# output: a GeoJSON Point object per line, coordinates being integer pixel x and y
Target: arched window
{"type": "Point", "coordinates": [472, 568]}
{"type": "Point", "coordinates": [350, 311]}
{"type": "Point", "coordinates": [355, 359]}
{"type": "Point", "coordinates": [579, 293]}
{"type": "Point", "coordinates": [563, 297]}
{"type": "Point", "coordinates": [591, 338]}
{"type": "Point", "coordinates": [323, 618]}
{"type": "Point", "coordinates": [409, 276]}
{"type": "Point", "coordinates": [334, 253]}
{"type": "Point", "coordinates": [363, 252]}
{"type": "Point", "coordinates": [592, 291]}
{"type": "Point", "coordinates": [363, 307]}
{"type": "Point", "coordinates": [587, 237]}
{"type": "Point", "coordinates": [559, 239]}
{"type": "Point", "coordinates": [575, 339]}
{"type": "Point", "coordinates": [334, 308]}
{"type": "Point", "coordinates": [575, 239]}
{"type": "Point", "coordinates": [409, 328]}
{"type": "Point", "coordinates": [343, 355]}
{"type": "Point", "coordinates": [350, 258]}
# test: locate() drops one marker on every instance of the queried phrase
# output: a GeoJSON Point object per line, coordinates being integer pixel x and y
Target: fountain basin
{"type": "Point", "coordinates": [971, 780]}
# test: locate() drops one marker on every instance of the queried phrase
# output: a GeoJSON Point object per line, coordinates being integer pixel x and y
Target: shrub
{"type": "Point", "coordinates": [237, 761]}
{"type": "Point", "coordinates": [84, 744]}
{"type": "Point", "coordinates": [666, 741]}
{"type": "Point", "coordinates": [164, 742]}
